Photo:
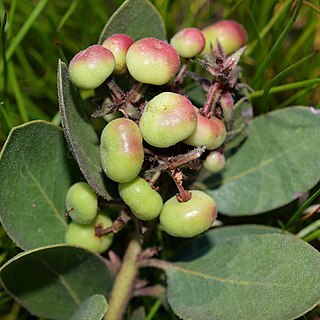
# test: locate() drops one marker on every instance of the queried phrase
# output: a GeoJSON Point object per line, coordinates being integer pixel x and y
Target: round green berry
{"type": "Point", "coordinates": [230, 34]}
{"type": "Point", "coordinates": [121, 150]}
{"type": "Point", "coordinates": [84, 235]}
{"type": "Point", "coordinates": [112, 116]}
{"type": "Point", "coordinates": [119, 44]}
{"type": "Point", "coordinates": [82, 203]}
{"type": "Point", "coordinates": [144, 202]}
{"type": "Point", "coordinates": [210, 133]}
{"type": "Point", "coordinates": [91, 67]}
{"type": "Point", "coordinates": [152, 61]}
{"type": "Point", "coordinates": [188, 219]}
{"type": "Point", "coordinates": [188, 42]}
{"type": "Point", "coordinates": [167, 119]}
{"type": "Point", "coordinates": [214, 162]}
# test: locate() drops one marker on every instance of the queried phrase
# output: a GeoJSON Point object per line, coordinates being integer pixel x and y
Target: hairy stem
{"type": "Point", "coordinates": [210, 97]}
{"type": "Point", "coordinates": [123, 286]}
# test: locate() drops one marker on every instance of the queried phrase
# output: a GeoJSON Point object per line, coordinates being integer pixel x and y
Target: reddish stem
{"type": "Point", "coordinates": [205, 111]}
{"type": "Point", "coordinates": [184, 67]}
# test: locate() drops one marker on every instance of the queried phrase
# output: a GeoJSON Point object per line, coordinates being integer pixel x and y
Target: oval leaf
{"type": "Point", "coordinates": [52, 282]}
{"type": "Point", "coordinates": [278, 162]}
{"type": "Point", "coordinates": [247, 277]}
{"type": "Point", "coordinates": [34, 179]}
{"type": "Point", "coordinates": [93, 308]}
{"type": "Point", "coordinates": [136, 18]}
{"type": "Point", "coordinates": [81, 137]}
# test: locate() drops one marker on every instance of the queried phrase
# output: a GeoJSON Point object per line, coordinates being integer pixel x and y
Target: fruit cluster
{"type": "Point", "coordinates": [154, 127]}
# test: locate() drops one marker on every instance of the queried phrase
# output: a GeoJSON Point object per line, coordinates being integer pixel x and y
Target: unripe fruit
{"type": "Point", "coordinates": [231, 35]}
{"type": "Point", "coordinates": [112, 116]}
{"type": "Point", "coordinates": [188, 42]}
{"type": "Point", "coordinates": [209, 132]}
{"type": "Point", "coordinates": [82, 203]}
{"type": "Point", "coordinates": [119, 44]}
{"type": "Point", "coordinates": [152, 61]}
{"type": "Point", "coordinates": [84, 235]}
{"type": "Point", "coordinates": [121, 150]}
{"type": "Point", "coordinates": [89, 68]}
{"type": "Point", "coordinates": [226, 103]}
{"type": "Point", "coordinates": [167, 119]}
{"type": "Point", "coordinates": [188, 219]}
{"type": "Point", "coordinates": [144, 202]}
{"type": "Point", "coordinates": [214, 162]}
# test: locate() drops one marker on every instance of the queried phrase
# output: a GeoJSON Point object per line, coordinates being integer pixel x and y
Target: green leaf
{"type": "Point", "coordinates": [136, 18]}
{"type": "Point", "coordinates": [278, 162]}
{"type": "Point", "coordinates": [269, 276]}
{"type": "Point", "coordinates": [81, 137]}
{"type": "Point", "coordinates": [198, 246]}
{"type": "Point", "coordinates": [93, 308]}
{"type": "Point", "coordinates": [35, 177]}
{"type": "Point", "coordinates": [52, 282]}
{"type": "Point", "coordinates": [138, 314]}
{"type": "Point", "coordinates": [238, 127]}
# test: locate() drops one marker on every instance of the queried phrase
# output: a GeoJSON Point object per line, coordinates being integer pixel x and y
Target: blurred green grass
{"type": "Point", "coordinates": [281, 63]}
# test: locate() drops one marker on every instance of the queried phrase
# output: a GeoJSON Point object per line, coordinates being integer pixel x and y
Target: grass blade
{"type": "Point", "coordinates": [25, 28]}
{"type": "Point", "coordinates": [277, 44]}
{"type": "Point", "coordinates": [280, 76]}
{"type": "Point", "coordinates": [286, 87]}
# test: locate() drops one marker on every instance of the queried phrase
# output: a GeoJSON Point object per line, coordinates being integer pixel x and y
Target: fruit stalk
{"type": "Point", "coordinates": [211, 94]}
{"type": "Point", "coordinates": [123, 285]}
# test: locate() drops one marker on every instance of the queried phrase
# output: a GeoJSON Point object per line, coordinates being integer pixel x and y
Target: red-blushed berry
{"type": "Point", "coordinates": [188, 42]}
{"type": "Point", "coordinates": [119, 44]}
{"type": "Point", "coordinates": [81, 203]}
{"type": "Point", "coordinates": [90, 67]}
{"type": "Point", "coordinates": [231, 35]}
{"type": "Point", "coordinates": [190, 218]}
{"type": "Point", "coordinates": [214, 162]}
{"type": "Point", "coordinates": [121, 150]}
{"type": "Point", "coordinates": [144, 202]}
{"type": "Point", "coordinates": [152, 61]}
{"type": "Point", "coordinates": [167, 119]}
{"type": "Point", "coordinates": [210, 133]}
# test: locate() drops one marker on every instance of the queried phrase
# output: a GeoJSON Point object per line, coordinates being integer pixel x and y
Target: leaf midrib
{"type": "Point", "coordinates": [45, 195]}
{"type": "Point", "coordinates": [226, 280]}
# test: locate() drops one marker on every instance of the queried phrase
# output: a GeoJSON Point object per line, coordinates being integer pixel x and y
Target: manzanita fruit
{"type": "Point", "coordinates": [81, 203]}
{"type": "Point", "coordinates": [121, 150]}
{"type": "Point", "coordinates": [190, 218]}
{"type": "Point", "coordinates": [119, 44]}
{"type": "Point", "coordinates": [85, 235]}
{"type": "Point", "coordinates": [214, 162]}
{"type": "Point", "coordinates": [152, 61]}
{"type": "Point", "coordinates": [89, 68]}
{"type": "Point", "coordinates": [188, 42]}
{"type": "Point", "coordinates": [230, 34]}
{"type": "Point", "coordinates": [210, 132]}
{"type": "Point", "coordinates": [144, 202]}
{"type": "Point", "coordinates": [167, 119]}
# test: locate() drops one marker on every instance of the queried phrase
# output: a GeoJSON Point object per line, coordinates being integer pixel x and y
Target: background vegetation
{"type": "Point", "coordinates": [281, 65]}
